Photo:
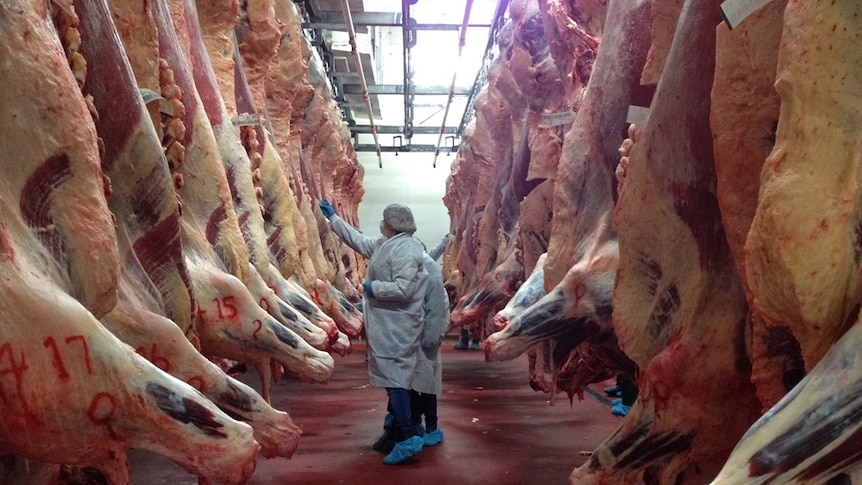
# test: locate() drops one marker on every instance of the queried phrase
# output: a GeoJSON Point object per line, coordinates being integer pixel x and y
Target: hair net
{"type": "Point", "coordinates": [399, 218]}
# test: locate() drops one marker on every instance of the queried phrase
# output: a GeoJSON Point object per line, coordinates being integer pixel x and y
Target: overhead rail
{"type": "Point", "coordinates": [399, 130]}
{"type": "Point", "coordinates": [331, 20]}
{"type": "Point", "coordinates": [348, 20]}
{"type": "Point", "coordinates": [461, 42]}
{"type": "Point", "coordinates": [399, 89]}
{"type": "Point", "coordinates": [482, 75]}
{"type": "Point", "coordinates": [408, 35]}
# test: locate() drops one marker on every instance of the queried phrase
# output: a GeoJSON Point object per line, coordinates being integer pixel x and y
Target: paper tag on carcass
{"type": "Point", "coordinates": [246, 120]}
{"type": "Point", "coordinates": [735, 11]}
{"type": "Point", "coordinates": [637, 115]}
{"type": "Point", "coordinates": [149, 95]}
{"type": "Point", "coordinates": [556, 119]}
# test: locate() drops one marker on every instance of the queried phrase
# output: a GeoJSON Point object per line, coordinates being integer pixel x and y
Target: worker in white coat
{"type": "Point", "coordinates": [394, 287]}
{"type": "Point", "coordinates": [428, 382]}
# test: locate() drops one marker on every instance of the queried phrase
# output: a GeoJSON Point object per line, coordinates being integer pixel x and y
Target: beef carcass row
{"type": "Point", "coordinates": [211, 183]}
{"type": "Point", "coordinates": [216, 70]}
{"type": "Point", "coordinates": [305, 362]}
{"type": "Point", "coordinates": [218, 66]}
{"type": "Point", "coordinates": [137, 321]}
{"type": "Point", "coordinates": [678, 298]}
{"type": "Point", "coordinates": [75, 394]}
{"type": "Point", "coordinates": [744, 117]}
{"type": "Point", "coordinates": [84, 385]}
{"type": "Point", "coordinates": [803, 251]}
{"type": "Point", "coordinates": [58, 180]}
{"type": "Point", "coordinates": [578, 307]}
{"type": "Point", "coordinates": [280, 211]}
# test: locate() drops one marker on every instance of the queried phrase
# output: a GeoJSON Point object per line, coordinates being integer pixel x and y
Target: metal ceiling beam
{"type": "Point", "coordinates": [411, 148]}
{"type": "Point", "coordinates": [332, 20]}
{"type": "Point", "coordinates": [399, 89]}
{"type": "Point", "coordinates": [398, 130]}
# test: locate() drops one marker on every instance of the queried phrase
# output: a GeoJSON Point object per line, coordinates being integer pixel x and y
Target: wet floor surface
{"type": "Point", "coordinates": [496, 429]}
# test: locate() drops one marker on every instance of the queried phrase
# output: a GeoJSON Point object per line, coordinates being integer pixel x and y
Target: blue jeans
{"type": "Point", "coordinates": [399, 406]}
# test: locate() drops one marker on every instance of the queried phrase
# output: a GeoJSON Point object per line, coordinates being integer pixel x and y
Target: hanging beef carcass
{"type": "Point", "coordinates": [802, 253]}
{"type": "Point", "coordinates": [811, 435]}
{"type": "Point", "coordinates": [74, 393]}
{"type": "Point", "coordinates": [679, 308]}
{"type": "Point", "coordinates": [50, 203]}
{"type": "Point", "coordinates": [744, 116]}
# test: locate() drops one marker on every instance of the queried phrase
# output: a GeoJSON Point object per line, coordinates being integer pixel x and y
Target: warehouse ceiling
{"type": "Point", "coordinates": [421, 38]}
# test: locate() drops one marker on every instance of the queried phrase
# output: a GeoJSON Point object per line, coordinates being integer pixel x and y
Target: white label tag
{"type": "Point", "coordinates": [149, 95]}
{"type": "Point", "coordinates": [246, 120]}
{"type": "Point", "coordinates": [556, 119]}
{"type": "Point", "coordinates": [735, 11]}
{"type": "Point", "coordinates": [637, 115]}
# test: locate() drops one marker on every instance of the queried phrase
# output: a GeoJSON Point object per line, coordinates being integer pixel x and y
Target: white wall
{"type": "Point", "coordinates": [408, 179]}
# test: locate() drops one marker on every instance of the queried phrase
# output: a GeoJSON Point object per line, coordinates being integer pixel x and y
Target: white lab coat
{"type": "Point", "coordinates": [429, 370]}
{"type": "Point", "coordinates": [393, 317]}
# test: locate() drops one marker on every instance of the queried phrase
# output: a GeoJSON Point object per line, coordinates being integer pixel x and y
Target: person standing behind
{"type": "Point", "coordinates": [428, 383]}
{"type": "Point", "coordinates": [394, 287]}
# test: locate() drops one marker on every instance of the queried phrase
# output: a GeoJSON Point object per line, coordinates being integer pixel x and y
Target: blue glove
{"type": "Point", "coordinates": [327, 209]}
{"type": "Point", "coordinates": [367, 287]}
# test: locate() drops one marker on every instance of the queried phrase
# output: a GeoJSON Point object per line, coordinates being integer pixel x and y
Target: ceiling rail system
{"type": "Point", "coordinates": [319, 16]}
{"type": "Point", "coordinates": [351, 33]}
{"type": "Point", "coordinates": [461, 42]}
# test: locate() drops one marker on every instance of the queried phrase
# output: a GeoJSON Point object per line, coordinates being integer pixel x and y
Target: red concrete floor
{"type": "Point", "coordinates": [497, 430]}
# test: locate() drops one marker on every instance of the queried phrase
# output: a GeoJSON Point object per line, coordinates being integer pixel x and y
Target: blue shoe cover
{"type": "Point", "coordinates": [388, 421]}
{"type": "Point", "coordinates": [620, 409]}
{"type": "Point", "coordinates": [612, 391]}
{"type": "Point", "coordinates": [404, 450]}
{"type": "Point", "coordinates": [616, 401]}
{"type": "Point", "coordinates": [461, 346]}
{"type": "Point", "coordinates": [475, 346]}
{"type": "Point", "coordinates": [433, 438]}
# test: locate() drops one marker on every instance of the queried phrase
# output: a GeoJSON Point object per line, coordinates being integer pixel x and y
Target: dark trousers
{"type": "Point", "coordinates": [628, 389]}
{"type": "Point", "coordinates": [424, 404]}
